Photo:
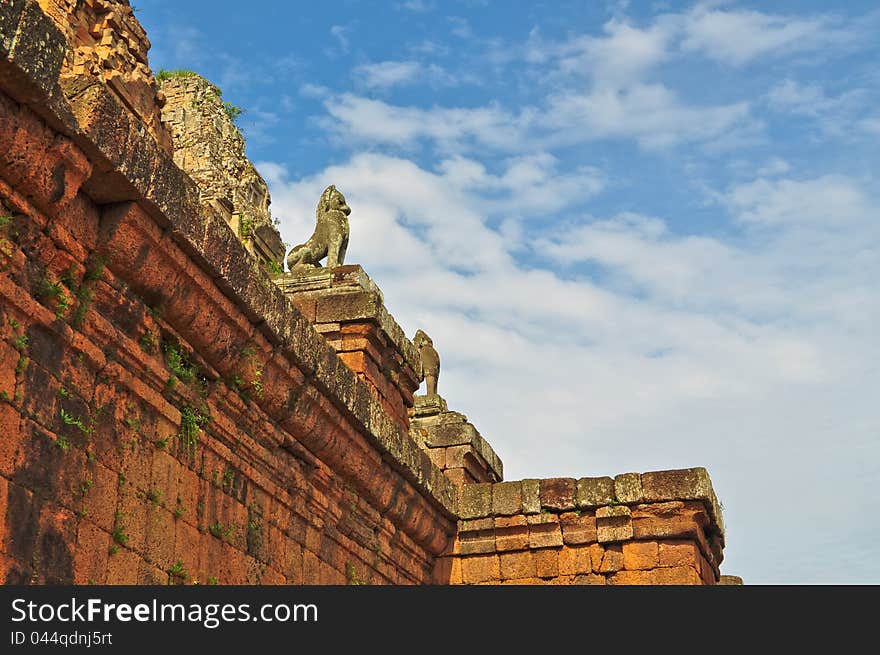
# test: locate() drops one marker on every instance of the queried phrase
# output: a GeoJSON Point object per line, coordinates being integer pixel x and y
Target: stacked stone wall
{"type": "Point", "coordinates": [660, 528]}
{"type": "Point", "coordinates": [166, 415]}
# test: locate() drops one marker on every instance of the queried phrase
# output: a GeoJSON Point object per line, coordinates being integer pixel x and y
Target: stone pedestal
{"type": "Point", "coordinates": [347, 307]}
{"type": "Point", "coordinates": [454, 445]}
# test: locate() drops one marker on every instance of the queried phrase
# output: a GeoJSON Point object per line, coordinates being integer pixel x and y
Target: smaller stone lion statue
{"type": "Point", "coordinates": [430, 360]}
{"type": "Point", "coordinates": [330, 238]}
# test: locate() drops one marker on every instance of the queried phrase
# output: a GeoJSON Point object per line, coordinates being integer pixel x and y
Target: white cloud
{"type": "Point", "coordinates": [622, 56]}
{"type": "Point", "coordinates": [418, 5]}
{"type": "Point", "coordinates": [738, 37]}
{"type": "Point", "coordinates": [831, 201]}
{"type": "Point", "coordinates": [870, 125]}
{"type": "Point", "coordinates": [649, 113]}
{"type": "Point", "coordinates": [774, 166]}
{"type": "Point", "coordinates": [387, 74]}
{"type": "Point", "coordinates": [460, 27]}
{"type": "Point", "coordinates": [811, 100]}
{"type": "Point", "coordinates": [377, 121]}
{"type": "Point", "coordinates": [340, 33]}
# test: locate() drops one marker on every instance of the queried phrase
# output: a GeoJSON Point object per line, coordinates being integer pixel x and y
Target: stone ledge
{"type": "Point", "coordinates": [558, 495]}
{"type": "Point", "coordinates": [351, 287]}
{"type": "Point", "coordinates": [432, 424]}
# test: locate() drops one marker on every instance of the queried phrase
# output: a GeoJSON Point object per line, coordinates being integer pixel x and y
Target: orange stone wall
{"type": "Point", "coordinates": [649, 529]}
{"type": "Point", "coordinates": [165, 414]}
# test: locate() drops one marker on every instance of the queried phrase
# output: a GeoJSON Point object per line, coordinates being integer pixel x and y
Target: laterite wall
{"type": "Point", "coordinates": [165, 414]}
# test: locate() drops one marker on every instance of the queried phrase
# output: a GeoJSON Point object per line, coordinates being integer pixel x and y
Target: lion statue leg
{"type": "Point", "coordinates": [301, 255]}
{"type": "Point", "coordinates": [335, 253]}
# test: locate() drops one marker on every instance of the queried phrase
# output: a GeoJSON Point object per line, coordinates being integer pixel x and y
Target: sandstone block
{"type": "Point", "coordinates": [632, 578]}
{"type": "Point", "coordinates": [90, 557]}
{"type": "Point", "coordinates": [475, 500]}
{"type": "Point", "coordinates": [506, 498]}
{"type": "Point", "coordinates": [612, 559]}
{"type": "Point", "coordinates": [575, 561]}
{"type": "Point", "coordinates": [544, 531]}
{"type": "Point", "coordinates": [613, 523]}
{"type": "Point", "coordinates": [547, 562]}
{"type": "Point", "coordinates": [594, 492]}
{"type": "Point", "coordinates": [577, 529]}
{"type": "Point", "coordinates": [517, 565]}
{"type": "Point", "coordinates": [480, 568]}
{"type": "Point", "coordinates": [676, 575]}
{"type": "Point", "coordinates": [628, 488]}
{"type": "Point", "coordinates": [477, 536]}
{"type": "Point", "coordinates": [558, 493]}
{"type": "Point", "coordinates": [678, 552]}
{"type": "Point", "coordinates": [683, 484]}
{"type": "Point", "coordinates": [531, 498]}
{"type": "Point", "coordinates": [613, 511]}
{"type": "Point", "coordinates": [640, 555]}
{"type": "Point", "coordinates": [511, 533]}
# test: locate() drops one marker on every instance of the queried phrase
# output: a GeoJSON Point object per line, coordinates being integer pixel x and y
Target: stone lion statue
{"type": "Point", "coordinates": [430, 360]}
{"type": "Point", "coordinates": [330, 238]}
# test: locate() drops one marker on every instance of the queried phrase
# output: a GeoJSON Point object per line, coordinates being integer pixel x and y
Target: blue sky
{"type": "Point", "coordinates": [642, 235]}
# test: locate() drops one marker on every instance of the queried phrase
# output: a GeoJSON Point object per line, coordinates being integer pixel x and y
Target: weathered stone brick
{"type": "Point", "coordinates": [10, 421]}
{"type": "Point", "coordinates": [159, 541]}
{"type": "Point", "coordinates": [8, 361]}
{"type": "Point", "coordinates": [612, 559]}
{"type": "Point", "coordinates": [575, 561]}
{"type": "Point", "coordinates": [311, 568]}
{"type": "Point", "coordinates": [632, 578]}
{"type": "Point", "coordinates": [100, 499]}
{"type": "Point", "coordinates": [531, 497]}
{"type": "Point", "coordinates": [640, 555]}
{"type": "Point", "coordinates": [613, 523]}
{"type": "Point", "coordinates": [511, 533]}
{"type": "Point", "coordinates": [506, 498]}
{"type": "Point", "coordinates": [122, 567]}
{"type": "Point", "coordinates": [517, 565]}
{"type": "Point", "coordinates": [597, 554]}
{"type": "Point", "coordinates": [577, 528]}
{"type": "Point", "coordinates": [525, 582]}
{"type": "Point", "coordinates": [187, 551]}
{"type": "Point", "coordinates": [628, 488]}
{"type": "Point", "coordinates": [477, 536]}
{"type": "Point", "coordinates": [475, 500]}
{"type": "Point", "coordinates": [665, 528]}
{"type": "Point", "coordinates": [544, 531]}
{"type": "Point", "coordinates": [678, 552]}
{"type": "Point", "coordinates": [594, 492]}
{"type": "Point", "coordinates": [480, 568]}
{"type": "Point", "coordinates": [558, 494]}
{"type": "Point", "coordinates": [680, 484]}
{"type": "Point", "coordinates": [90, 557]}
{"type": "Point", "coordinates": [733, 580]}
{"type": "Point", "coordinates": [675, 575]}
{"type": "Point", "coordinates": [547, 562]}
